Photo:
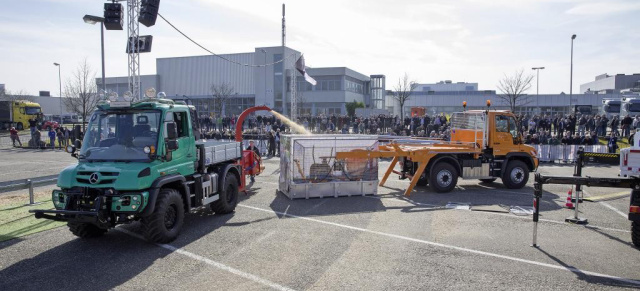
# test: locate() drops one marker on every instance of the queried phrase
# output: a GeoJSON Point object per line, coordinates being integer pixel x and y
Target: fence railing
{"type": "Point", "coordinates": [565, 153]}
{"type": "Point", "coordinates": [28, 184]}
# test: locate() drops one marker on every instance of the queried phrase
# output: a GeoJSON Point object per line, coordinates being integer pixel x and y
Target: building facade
{"type": "Point", "coordinates": [447, 99]}
{"type": "Point", "coordinates": [611, 83]}
{"type": "Point", "coordinates": [261, 77]}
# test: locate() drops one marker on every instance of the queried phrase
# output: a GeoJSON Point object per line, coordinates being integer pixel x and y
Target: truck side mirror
{"type": "Point", "coordinates": [172, 145]}
{"type": "Point", "coordinates": [172, 131]}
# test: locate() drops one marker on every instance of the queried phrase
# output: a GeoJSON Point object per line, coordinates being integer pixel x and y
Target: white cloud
{"type": "Point", "coordinates": [604, 8]}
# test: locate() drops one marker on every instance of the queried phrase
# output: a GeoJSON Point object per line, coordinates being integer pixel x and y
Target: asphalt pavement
{"type": "Point", "coordinates": [382, 242]}
{"type": "Point", "coordinates": [17, 163]}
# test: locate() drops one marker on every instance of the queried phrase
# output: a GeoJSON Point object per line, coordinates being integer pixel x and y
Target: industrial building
{"type": "Point", "coordinates": [447, 97]}
{"type": "Point", "coordinates": [604, 84]}
{"type": "Point", "coordinates": [261, 77]}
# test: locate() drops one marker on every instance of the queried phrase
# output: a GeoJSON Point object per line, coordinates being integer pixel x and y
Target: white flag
{"type": "Point", "coordinates": [301, 68]}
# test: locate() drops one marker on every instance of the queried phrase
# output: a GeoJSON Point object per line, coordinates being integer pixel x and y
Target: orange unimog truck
{"type": "Point", "coordinates": [485, 145]}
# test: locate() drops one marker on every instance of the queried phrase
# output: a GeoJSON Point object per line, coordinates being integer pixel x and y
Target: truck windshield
{"type": "Point", "coordinates": [32, 110]}
{"type": "Point", "coordinates": [634, 107]}
{"type": "Point", "coordinates": [120, 136]}
{"type": "Point", "coordinates": [613, 107]}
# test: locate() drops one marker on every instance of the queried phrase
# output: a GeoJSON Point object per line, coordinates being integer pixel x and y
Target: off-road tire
{"type": "Point", "coordinates": [165, 223]}
{"type": "Point", "coordinates": [85, 230]}
{"type": "Point", "coordinates": [443, 177]}
{"type": "Point", "coordinates": [228, 196]}
{"type": "Point", "coordinates": [635, 233]}
{"type": "Point", "coordinates": [19, 126]}
{"type": "Point", "coordinates": [487, 181]}
{"type": "Point", "coordinates": [518, 179]}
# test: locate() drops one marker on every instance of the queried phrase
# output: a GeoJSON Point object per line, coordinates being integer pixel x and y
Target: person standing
{"type": "Point", "coordinates": [14, 136]}
{"type": "Point", "coordinates": [612, 143]}
{"type": "Point", "coordinates": [277, 139]}
{"type": "Point", "coordinates": [272, 144]}
{"type": "Point", "coordinates": [626, 125]}
{"type": "Point", "coordinates": [33, 124]}
{"type": "Point", "coordinates": [60, 135]}
{"type": "Point", "coordinates": [36, 137]}
{"type": "Point", "coordinates": [66, 136]}
{"type": "Point", "coordinates": [252, 147]}
{"type": "Point", "coordinates": [52, 138]}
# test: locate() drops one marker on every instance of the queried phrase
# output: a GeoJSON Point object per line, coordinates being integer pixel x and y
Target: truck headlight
{"type": "Point", "coordinates": [59, 199]}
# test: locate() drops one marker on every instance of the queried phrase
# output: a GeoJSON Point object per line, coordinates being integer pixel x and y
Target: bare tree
{"type": "Point", "coordinates": [513, 88]}
{"type": "Point", "coordinates": [6, 95]}
{"type": "Point", "coordinates": [80, 90]}
{"type": "Point", "coordinates": [403, 91]}
{"type": "Point", "coordinates": [221, 94]}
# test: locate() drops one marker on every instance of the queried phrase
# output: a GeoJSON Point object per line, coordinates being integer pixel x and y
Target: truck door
{"type": "Point", "coordinates": [184, 156]}
{"type": "Point", "coordinates": [504, 133]}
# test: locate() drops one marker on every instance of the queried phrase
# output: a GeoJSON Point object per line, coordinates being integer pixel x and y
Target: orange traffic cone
{"type": "Point", "coordinates": [569, 204]}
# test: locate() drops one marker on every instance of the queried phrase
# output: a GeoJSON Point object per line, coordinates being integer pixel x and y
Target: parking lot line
{"type": "Point", "coordinates": [607, 205]}
{"type": "Point", "coordinates": [403, 199]}
{"type": "Point", "coordinates": [462, 249]}
{"type": "Point", "coordinates": [607, 196]}
{"type": "Point", "coordinates": [211, 262]}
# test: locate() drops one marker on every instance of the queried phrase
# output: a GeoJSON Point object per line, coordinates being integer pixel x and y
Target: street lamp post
{"type": "Point", "coordinates": [59, 83]}
{"type": "Point", "coordinates": [265, 74]}
{"type": "Point", "coordinates": [537, 69]}
{"type": "Point", "coordinates": [571, 75]}
{"type": "Point", "coordinates": [90, 19]}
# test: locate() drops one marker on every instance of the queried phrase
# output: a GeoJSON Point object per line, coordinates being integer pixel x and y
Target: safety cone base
{"type": "Point", "coordinates": [578, 220]}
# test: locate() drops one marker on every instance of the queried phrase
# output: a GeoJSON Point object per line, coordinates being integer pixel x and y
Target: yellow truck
{"type": "Point", "coordinates": [17, 113]}
{"type": "Point", "coordinates": [485, 145]}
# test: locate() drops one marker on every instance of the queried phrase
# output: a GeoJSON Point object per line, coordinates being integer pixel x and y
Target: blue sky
{"type": "Point", "coordinates": [459, 40]}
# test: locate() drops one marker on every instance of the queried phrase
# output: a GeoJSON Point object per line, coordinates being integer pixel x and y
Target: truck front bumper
{"type": "Point", "coordinates": [65, 215]}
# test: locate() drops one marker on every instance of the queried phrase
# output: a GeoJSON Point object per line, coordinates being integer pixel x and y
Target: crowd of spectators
{"type": "Point", "coordinates": [425, 126]}
{"type": "Point", "coordinates": [536, 129]}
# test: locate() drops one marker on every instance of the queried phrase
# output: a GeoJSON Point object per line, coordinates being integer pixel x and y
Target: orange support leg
{"type": "Point", "coordinates": [416, 177]}
{"type": "Point", "coordinates": [389, 170]}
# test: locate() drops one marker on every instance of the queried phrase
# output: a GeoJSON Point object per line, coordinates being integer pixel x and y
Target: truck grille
{"type": "Point", "coordinates": [84, 177]}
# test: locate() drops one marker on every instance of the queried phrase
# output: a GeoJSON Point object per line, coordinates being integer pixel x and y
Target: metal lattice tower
{"type": "Point", "coordinates": [133, 31]}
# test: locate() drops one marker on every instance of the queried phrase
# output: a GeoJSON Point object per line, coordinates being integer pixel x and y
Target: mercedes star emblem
{"type": "Point", "coordinates": [93, 178]}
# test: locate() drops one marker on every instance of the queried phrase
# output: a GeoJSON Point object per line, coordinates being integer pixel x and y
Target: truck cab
{"type": "Point", "coordinates": [144, 161]}
{"type": "Point", "coordinates": [18, 113]}
{"type": "Point", "coordinates": [630, 105]}
{"type": "Point", "coordinates": [611, 107]}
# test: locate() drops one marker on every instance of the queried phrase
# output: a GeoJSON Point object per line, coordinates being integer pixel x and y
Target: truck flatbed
{"type": "Point", "coordinates": [220, 151]}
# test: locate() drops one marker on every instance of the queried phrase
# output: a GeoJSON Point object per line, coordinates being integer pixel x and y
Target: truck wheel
{"type": "Point", "coordinates": [165, 223]}
{"type": "Point", "coordinates": [488, 180]}
{"type": "Point", "coordinates": [19, 126]}
{"type": "Point", "coordinates": [515, 175]}
{"type": "Point", "coordinates": [85, 230]}
{"type": "Point", "coordinates": [228, 197]}
{"type": "Point", "coordinates": [635, 233]}
{"type": "Point", "coordinates": [443, 177]}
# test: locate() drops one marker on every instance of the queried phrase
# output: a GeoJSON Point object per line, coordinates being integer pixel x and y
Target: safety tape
{"type": "Point", "coordinates": [601, 155]}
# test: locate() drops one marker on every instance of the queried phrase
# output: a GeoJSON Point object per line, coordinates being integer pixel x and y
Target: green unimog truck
{"type": "Point", "coordinates": [144, 161]}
